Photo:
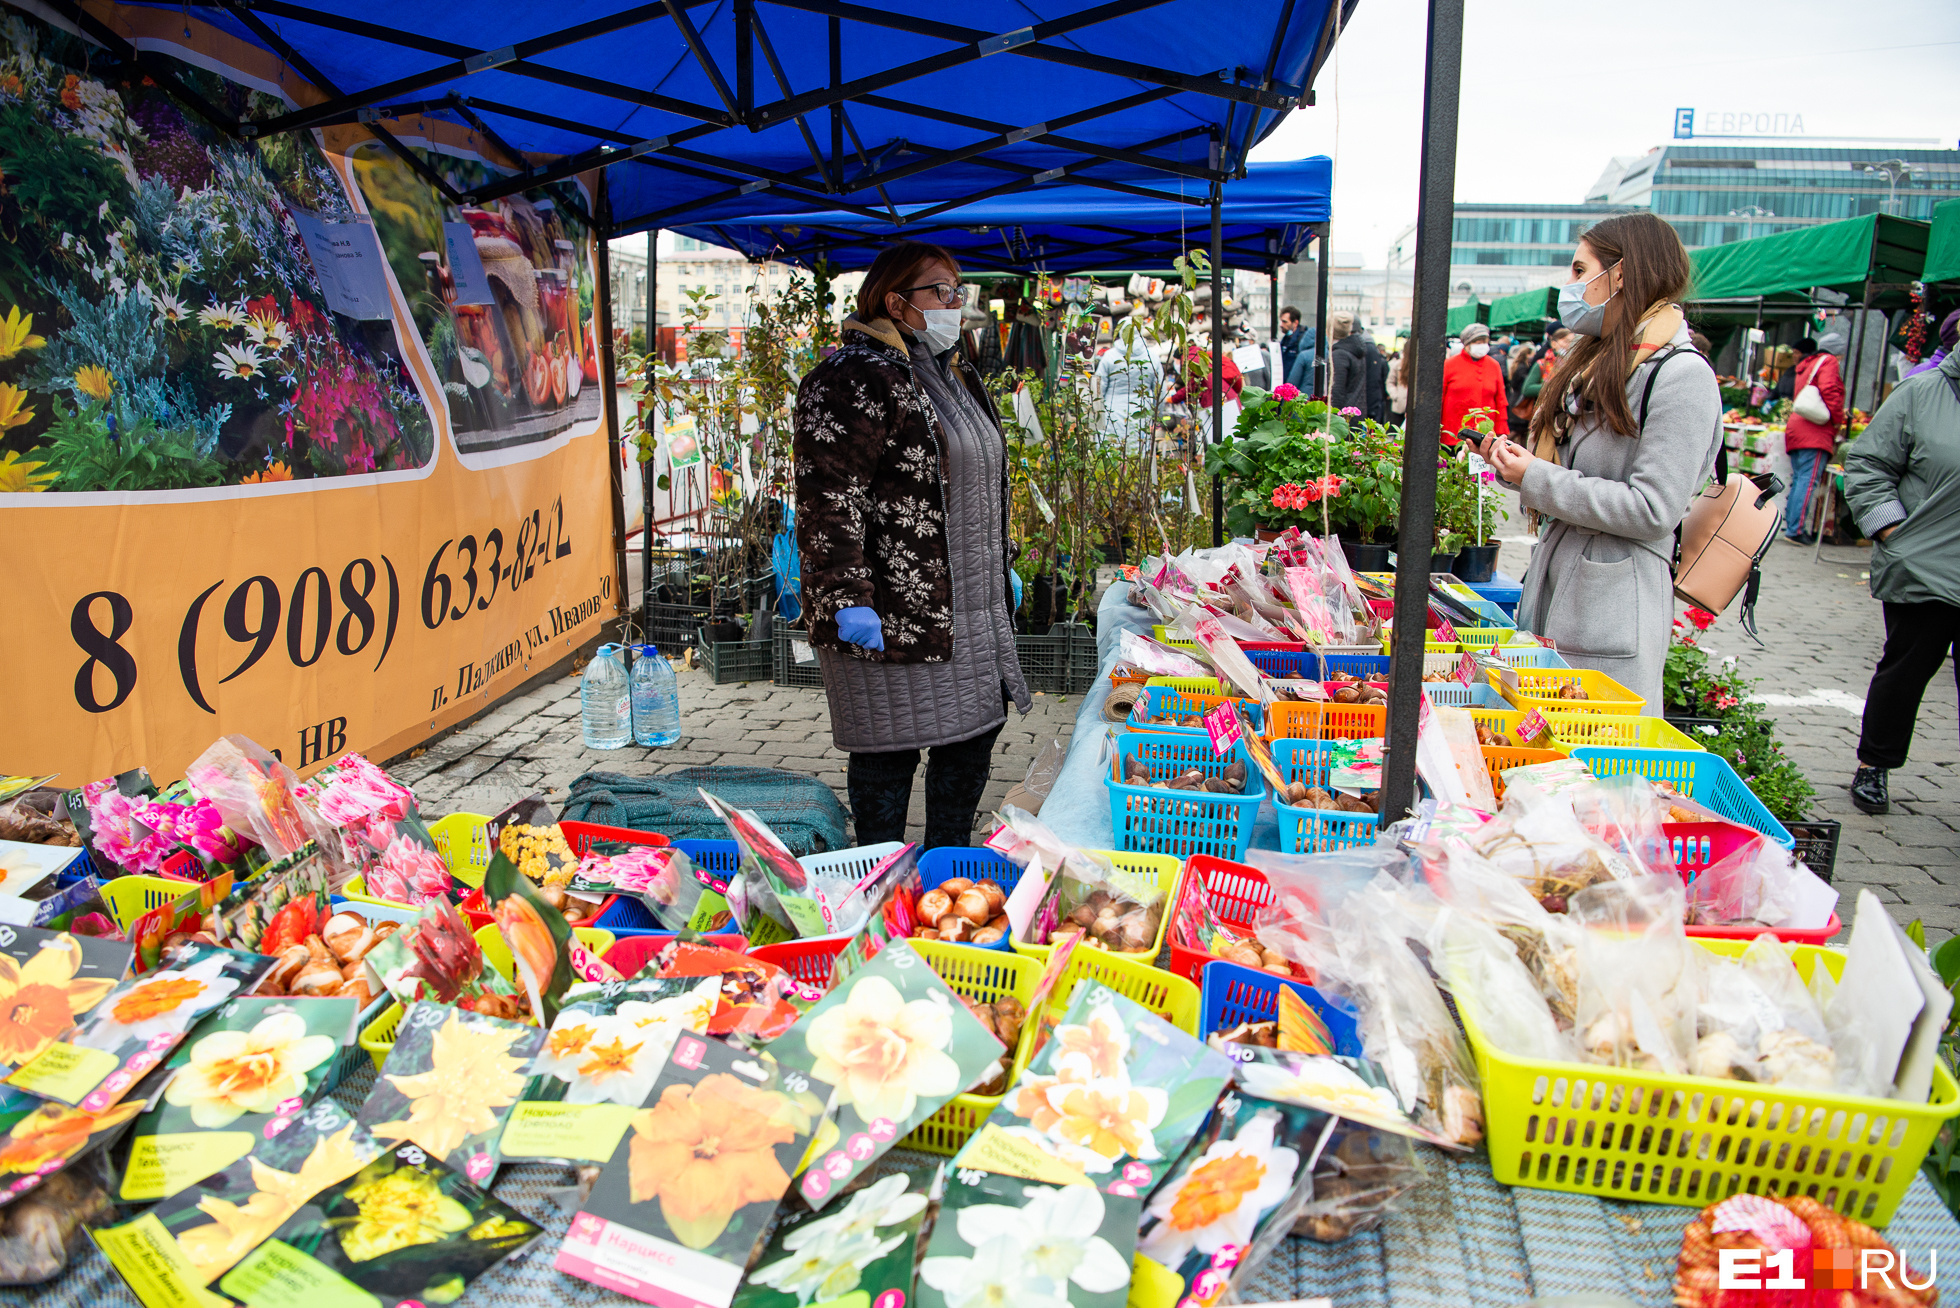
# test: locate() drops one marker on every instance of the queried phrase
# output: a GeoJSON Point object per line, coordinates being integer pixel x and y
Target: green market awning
{"type": "Point", "coordinates": [1464, 314]}
{"type": "Point", "coordinates": [1943, 244]}
{"type": "Point", "coordinates": [1524, 308]}
{"type": "Point", "coordinates": [1843, 256]}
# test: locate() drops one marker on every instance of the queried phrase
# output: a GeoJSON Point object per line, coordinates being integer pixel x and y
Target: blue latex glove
{"type": "Point", "coordinates": [861, 626]}
{"type": "Point", "coordinates": [1015, 577]}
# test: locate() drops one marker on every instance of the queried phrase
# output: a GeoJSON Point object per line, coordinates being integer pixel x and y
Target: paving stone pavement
{"type": "Point", "coordinates": [1822, 633]}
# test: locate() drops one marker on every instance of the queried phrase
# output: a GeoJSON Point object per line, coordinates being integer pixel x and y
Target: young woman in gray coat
{"type": "Point", "coordinates": [1622, 438]}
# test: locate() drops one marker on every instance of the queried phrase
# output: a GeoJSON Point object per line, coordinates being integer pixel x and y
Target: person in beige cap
{"type": "Point", "coordinates": [1347, 385]}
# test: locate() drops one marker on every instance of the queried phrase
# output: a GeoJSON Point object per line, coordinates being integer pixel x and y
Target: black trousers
{"type": "Point", "coordinates": [1917, 638]}
{"type": "Point", "coordinates": [956, 777]}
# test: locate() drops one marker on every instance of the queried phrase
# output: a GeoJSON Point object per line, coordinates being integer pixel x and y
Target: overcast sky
{"type": "Point", "coordinates": [1551, 91]}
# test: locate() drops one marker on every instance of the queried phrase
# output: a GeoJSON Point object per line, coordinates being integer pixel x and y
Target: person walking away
{"type": "Point", "coordinates": [1514, 374]}
{"type": "Point", "coordinates": [1400, 378]}
{"type": "Point", "coordinates": [1125, 377]}
{"type": "Point", "coordinates": [1473, 380]}
{"type": "Point", "coordinates": [1294, 340]}
{"type": "Point", "coordinates": [1622, 438]}
{"type": "Point", "coordinates": [1377, 385]}
{"type": "Point", "coordinates": [1808, 443]}
{"type": "Point", "coordinates": [1544, 364]}
{"type": "Point", "coordinates": [901, 481]}
{"type": "Point", "coordinates": [1347, 385]}
{"type": "Point", "coordinates": [1949, 336]}
{"type": "Point", "coordinates": [1902, 483]}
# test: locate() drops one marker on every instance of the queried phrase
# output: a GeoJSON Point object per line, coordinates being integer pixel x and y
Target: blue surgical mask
{"type": "Point", "coordinates": [1583, 318]}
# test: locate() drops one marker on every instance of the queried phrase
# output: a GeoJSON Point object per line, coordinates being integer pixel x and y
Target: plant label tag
{"type": "Point", "coordinates": [1532, 729]}
{"type": "Point", "coordinates": [800, 652]}
{"type": "Point", "coordinates": [1466, 669]}
{"type": "Point", "coordinates": [1445, 632]}
{"type": "Point", "coordinates": [1223, 725]}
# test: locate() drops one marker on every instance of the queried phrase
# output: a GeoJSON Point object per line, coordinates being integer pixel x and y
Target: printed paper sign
{"type": "Point", "coordinates": [1222, 724]}
{"type": "Point", "coordinates": [1466, 669]}
{"type": "Point", "coordinates": [347, 256]}
{"type": "Point", "coordinates": [466, 265]}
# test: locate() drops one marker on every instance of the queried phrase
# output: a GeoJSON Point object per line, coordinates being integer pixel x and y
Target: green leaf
{"type": "Point", "coordinates": [1946, 960]}
{"type": "Point", "coordinates": [1916, 932]}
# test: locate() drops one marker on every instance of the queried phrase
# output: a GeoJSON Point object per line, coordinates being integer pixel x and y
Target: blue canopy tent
{"type": "Point", "coordinates": [1268, 217]}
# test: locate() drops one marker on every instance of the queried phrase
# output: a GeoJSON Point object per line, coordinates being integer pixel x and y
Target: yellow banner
{"type": "Point", "coordinates": [293, 443]}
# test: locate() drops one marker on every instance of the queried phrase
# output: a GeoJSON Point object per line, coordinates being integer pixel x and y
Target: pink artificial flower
{"type": "Point", "coordinates": [197, 826]}
{"type": "Point", "coordinates": [1286, 391]}
{"type": "Point", "coordinates": [113, 826]}
{"type": "Point", "coordinates": [409, 872]}
{"type": "Point", "coordinates": [357, 791]}
{"type": "Point", "coordinates": [1350, 412]}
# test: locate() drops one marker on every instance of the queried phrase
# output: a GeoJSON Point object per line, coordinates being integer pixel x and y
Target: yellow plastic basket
{"type": "Point", "coordinates": [378, 1036]}
{"type": "Point", "coordinates": [1169, 996]}
{"type": "Point", "coordinates": [356, 889]}
{"type": "Point", "coordinates": [982, 975]}
{"type": "Point", "coordinates": [128, 898]}
{"type": "Point", "coordinates": [1614, 731]}
{"type": "Point", "coordinates": [1506, 721]}
{"type": "Point", "coordinates": [464, 844]}
{"type": "Point", "coordinates": [1485, 637]}
{"type": "Point", "coordinates": [1538, 689]}
{"type": "Point", "coordinates": [1161, 870]}
{"type": "Point", "coordinates": [1157, 634]}
{"type": "Point", "coordinates": [1692, 1140]}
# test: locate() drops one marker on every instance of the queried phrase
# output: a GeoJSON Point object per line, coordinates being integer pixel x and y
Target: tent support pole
{"type": "Point", "coordinates": [1323, 268]}
{"type": "Point", "coordinates": [1217, 352]}
{"type": "Point", "coordinates": [646, 466]}
{"type": "Point", "coordinates": [1434, 213]}
{"type": "Point", "coordinates": [609, 390]}
{"type": "Point", "coordinates": [1850, 406]}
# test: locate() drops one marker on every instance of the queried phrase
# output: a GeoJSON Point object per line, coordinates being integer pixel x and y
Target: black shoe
{"type": "Point", "coordinates": [1808, 538]}
{"type": "Point", "coordinates": [1868, 792]}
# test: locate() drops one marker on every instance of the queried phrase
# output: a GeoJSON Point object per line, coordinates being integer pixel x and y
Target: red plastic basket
{"type": "Point", "coordinates": [630, 953]}
{"type": "Point", "coordinates": [1701, 845]}
{"type": "Point", "coordinates": [1236, 893]}
{"type": "Point", "coordinates": [472, 907]}
{"type": "Point", "coordinates": [580, 836]}
{"type": "Point", "coordinates": [808, 961]}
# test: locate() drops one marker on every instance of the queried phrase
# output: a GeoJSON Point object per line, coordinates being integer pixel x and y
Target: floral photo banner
{"type": "Point", "coordinates": [374, 411]}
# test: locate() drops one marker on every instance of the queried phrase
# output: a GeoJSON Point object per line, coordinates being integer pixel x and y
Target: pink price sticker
{"type": "Point", "coordinates": [1466, 669]}
{"type": "Point", "coordinates": [1444, 631]}
{"type": "Point", "coordinates": [1533, 725]}
{"type": "Point", "coordinates": [1222, 724]}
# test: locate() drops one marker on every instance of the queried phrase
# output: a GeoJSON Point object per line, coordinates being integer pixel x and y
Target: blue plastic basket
{"type": "Point", "coordinates": [1230, 994]}
{"type": "Point", "coordinates": [1703, 777]}
{"type": "Point", "coordinates": [1154, 820]}
{"type": "Point", "coordinates": [975, 864]}
{"type": "Point", "coordinates": [1315, 830]}
{"type": "Point", "coordinates": [629, 917]}
{"type": "Point", "coordinates": [1530, 656]}
{"type": "Point", "coordinates": [1368, 667]}
{"type": "Point", "coordinates": [1454, 694]}
{"type": "Point", "coordinates": [1170, 699]}
{"type": "Point", "coordinates": [1286, 662]}
{"type": "Point", "coordinates": [78, 867]}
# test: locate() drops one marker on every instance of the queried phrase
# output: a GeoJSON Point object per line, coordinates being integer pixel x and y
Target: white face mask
{"type": "Point", "coordinates": [942, 328]}
{"type": "Point", "coordinates": [1479, 350]}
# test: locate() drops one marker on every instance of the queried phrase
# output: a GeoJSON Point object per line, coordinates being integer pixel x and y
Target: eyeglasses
{"type": "Point", "coordinates": [952, 297]}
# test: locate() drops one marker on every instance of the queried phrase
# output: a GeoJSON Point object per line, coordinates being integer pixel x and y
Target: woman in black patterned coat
{"type": "Point", "coordinates": [901, 522]}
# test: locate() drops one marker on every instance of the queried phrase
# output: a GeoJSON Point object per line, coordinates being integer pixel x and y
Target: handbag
{"type": "Point", "coordinates": [1809, 404]}
{"type": "Point", "coordinates": [1728, 529]}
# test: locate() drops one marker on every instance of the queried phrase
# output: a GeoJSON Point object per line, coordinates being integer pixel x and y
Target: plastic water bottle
{"type": "Point", "coordinates": [605, 712]}
{"type": "Point", "coordinates": [656, 699]}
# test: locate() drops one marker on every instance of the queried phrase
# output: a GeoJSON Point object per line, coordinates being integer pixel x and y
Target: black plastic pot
{"type": "Point", "coordinates": [717, 633]}
{"type": "Point", "coordinates": [1476, 563]}
{"type": "Point", "coordinates": [1441, 563]}
{"type": "Point", "coordinates": [1365, 558]}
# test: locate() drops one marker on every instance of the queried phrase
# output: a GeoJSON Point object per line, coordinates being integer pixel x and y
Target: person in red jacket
{"type": "Point", "coordinates": [1473, 380]}
{"type": "Point", "coordinates": [1810, 443]}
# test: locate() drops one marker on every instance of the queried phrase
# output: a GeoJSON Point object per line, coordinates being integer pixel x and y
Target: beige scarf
{"type": "Point", "coordinates": [1657, 328]}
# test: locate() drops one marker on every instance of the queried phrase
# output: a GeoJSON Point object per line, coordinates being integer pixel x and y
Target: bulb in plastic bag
{"type": "Point", "coordinates": [656, 699]}
{"type": "Point", "coordinates": [605, 710]}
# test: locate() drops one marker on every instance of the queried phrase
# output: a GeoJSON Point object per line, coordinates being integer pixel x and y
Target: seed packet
{"type": "Point", "coordinates": [261, 798]}
{"type": "Point", "coordinates": [48, 979]}
{"type": "Point", "coordinates": [1234, 1194]}
{"type": "Point", "coordinates": [1004, 1239]}
{"type": "Point", "coordinates": [172, 925]}
{"type": "Point", "coordinates": [135, 1026]}
{"type": "Point", "coordinates": [1353, 1088]}
{"type": "Point", "coordinates": [864, 1249]}
{"type": "Point", "coordinates": [104, 814]}
{"type": "Point", "coordinates": [286, 903]}
{"type": "Point", "coordinates": [379, 832]}
{"type": "Point", "coordinates": [687, 1197]}
{"type": "Point", "coordinates": [771, 880]}
{"type": "Point", "coordinates": [404, 1230]}
{"type": "Point", "coordinates": [527, 833]}
{"type": "Point", "coordinates": [438, 958]}
{"type": "Point", "coordinates": [251, 1062]}
{"type": "Point", "coordinates": [200, 1233]}
{"type": "Point", "coordinates": [759, 1001]}
{"type": "Point", "coordinates": [898, 1044]}
{"type": "Point", "coordinates": [449, 1083]}
{"type": "Point", "coordinates": [1110, 1100]}
{"type": "Point", "coordinates": [660, 877]}
{"type": "Point", "coordinates": [546, 955]}
{"type": "Point", "coordinates": [39, 1138]}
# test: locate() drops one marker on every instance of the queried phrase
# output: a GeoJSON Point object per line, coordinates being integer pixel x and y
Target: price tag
{"type": "Point", "coordinates": [1466, 669]}
{"type": "Point", "coordinates": [1445, 632]}
{"type": "Point", "coordinates": [1533, 729]}
{"type": "Point", "coordinates": [800, 652]}
{"type": "Point", "coordinates": [1223, 725]}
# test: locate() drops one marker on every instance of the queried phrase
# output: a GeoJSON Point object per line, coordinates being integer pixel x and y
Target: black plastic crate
{"type": "Point", "coordinates": [738, 660]}
{"type": "Point", "coordinates": [1062, 662]}
{"type": "Point", "coordinates": [788, 672]}
{"type": "Point", "coordinates": [672, 628]}
{"type": "Point", "coordinates": [1817, 844]}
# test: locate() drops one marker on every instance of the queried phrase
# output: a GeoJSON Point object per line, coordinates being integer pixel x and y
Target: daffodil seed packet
{"type": "Point", "coordinates": [201, 1232]}
{"type": "Point", "coordinates": [449, 1084]}
{"type": "Point", "coordinates": [1234, 1194]}
{"type": "Point", "coordinates": [897, 1044]}
{"type": "Point", "coordinates": [684, 1203]}
{"type": "Point", "coordinates": [1007, 1240]}
{"type": "Point", "coordinates": [403, 1230]}
{"type": "Point", "coordinates": [39, 1137]}
{"type": "Point", "coordinates": [251, 1062]}
{"type": "Point", "coordinates": [1110, 1101]}
{"type": "Point", "coordinates": [48, 980]}
{"type": "Point", "coordinates": [599, 1061]}
{"type": "Point", "coordinates": [861, 1252]}
{"type": "Point", "coordinates": [135, 1026]}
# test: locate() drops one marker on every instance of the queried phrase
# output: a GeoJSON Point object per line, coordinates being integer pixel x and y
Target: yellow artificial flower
{"type": "Point", "coordinates": [471, 1074]}
{"type": "Point", "coordinates": [11, 400]}
{"type": "Point", "coordinates": [40, 1000]}
{"type": "Point", "coordinates": [18, 474]}
{"type": "Point", "coordinates": [17, 334]}
{"type": "Point", "coordinates": [94, 381]}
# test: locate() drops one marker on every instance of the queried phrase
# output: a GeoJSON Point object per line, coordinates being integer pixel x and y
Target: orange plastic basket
{"type": "Point", "coordinates": [1290, 719]}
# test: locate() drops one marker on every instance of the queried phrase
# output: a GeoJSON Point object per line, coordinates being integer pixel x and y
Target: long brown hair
{"type": "Point", "coordinates": [1654, 270]}
{"type": "Point", "coordinates": [894, 270]}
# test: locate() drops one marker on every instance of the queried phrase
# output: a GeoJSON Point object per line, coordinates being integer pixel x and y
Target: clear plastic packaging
{"type": "Point", "coordinates": [1361, 1173]}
